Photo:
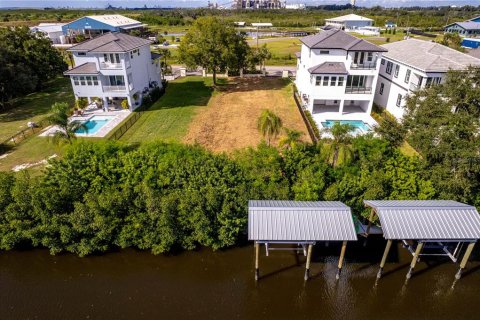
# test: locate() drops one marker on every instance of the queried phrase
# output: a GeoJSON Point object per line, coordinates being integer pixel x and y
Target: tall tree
{"type": "Point", "coordinates": [342, 138]}
{"type": "Point", "coordinates": [212, 44]}
{"type": "Point", "coordinates": [269, 125]}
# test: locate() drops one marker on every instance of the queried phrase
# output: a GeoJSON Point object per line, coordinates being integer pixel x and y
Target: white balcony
{"type": "Point", "coordinates": [107, 65]}
{"type": "Point", "coordinates": [413, 86]}
{"type": "Point", "coordinates": [114, 88]}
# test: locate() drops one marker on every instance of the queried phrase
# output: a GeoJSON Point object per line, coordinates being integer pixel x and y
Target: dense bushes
{"type": "Point", "coordinates": [163, 197]}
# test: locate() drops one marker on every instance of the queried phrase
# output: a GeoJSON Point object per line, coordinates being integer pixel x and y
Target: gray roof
{"type": "Point", "coordinates": [86, 68]}
{"type": "Point", "coordinates": [329, 68]}
{"type": "Point", "coordinates": [338, 39]}
{"type": "Point", "coordinates": [278, 220]}
{"type": "Point", "coordinates": [467, 25]}
{"type": "Point", "coordinates": [428, 56]}
{"type": "Point", "coordinates": [427, 219]}
{"type": "Point", "coordinates": [111, 42]}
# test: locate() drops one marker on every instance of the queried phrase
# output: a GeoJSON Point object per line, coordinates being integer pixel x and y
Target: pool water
{"type": "Point", "coordinates": [359, 125]}
{"type": "Point", "coordinates": [94, 124]}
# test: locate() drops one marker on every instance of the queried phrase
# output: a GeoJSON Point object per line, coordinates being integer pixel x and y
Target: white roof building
{"type": "Point", "coordinates": [413, 64]}
{"type": "Point", "coordinates": [53, 31]}
{"type": "Point", "coordinates": [349, 22]}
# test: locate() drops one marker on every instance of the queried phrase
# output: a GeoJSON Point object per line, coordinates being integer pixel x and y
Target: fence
{"type": "Point", "coordinates": [120, 131]}
{"type": "Point", "coordinates": [25, 133]}
{"type": "Point", "coordinates": [308, 120]}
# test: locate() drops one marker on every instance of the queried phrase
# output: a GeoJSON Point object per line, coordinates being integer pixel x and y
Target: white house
{"type": "Point", "coordinates": [412, 64]}
{"type": "Point", "coordinates": [337, 74]}
{"type": "Point", "coordinates": [349, 22]}
{"type": "Point", "coordinates": [115, 65]}
{"type": "Point", "coordinates": [97, 25]}
{"type": "Point", "coordinates": [53, 31]}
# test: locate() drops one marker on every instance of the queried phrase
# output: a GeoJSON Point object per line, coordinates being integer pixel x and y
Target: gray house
{"type": "Point", "coordinates": [464, 29]}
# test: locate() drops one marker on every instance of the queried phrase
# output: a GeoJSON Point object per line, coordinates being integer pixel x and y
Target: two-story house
{"type": "Point", "coordinates": [337, 74]}
{"type": "Point", "coordinates": [412, 64]}
{"type": "Point", "coordinates": [114, 65]}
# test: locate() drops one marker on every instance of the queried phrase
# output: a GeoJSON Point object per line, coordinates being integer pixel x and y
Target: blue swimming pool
{"type": "Point", "coordinates": [359, 125]}
{"type": "Point", "coordinates": [94, 124]}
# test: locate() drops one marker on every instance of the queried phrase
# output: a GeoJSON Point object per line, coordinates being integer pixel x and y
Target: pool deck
{"type": "Point", "coordinates": [119, 116]}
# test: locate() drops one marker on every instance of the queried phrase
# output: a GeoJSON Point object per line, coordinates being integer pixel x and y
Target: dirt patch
{"type": "Point", "coordinates": [229, 121]}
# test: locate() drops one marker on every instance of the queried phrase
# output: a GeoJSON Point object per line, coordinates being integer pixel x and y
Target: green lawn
{"type": "Point", "coordinates": [34, 107]}
{"type": "Point", "coordinates": [283, 51]}
{"type": "Point", "coordinates": [169, 117]}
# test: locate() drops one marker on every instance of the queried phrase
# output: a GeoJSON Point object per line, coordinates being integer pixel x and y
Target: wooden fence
{"type": "Point", "coordinates": [120, 130]}
{"type": "Point", "coordinates": [25, 133]}
{"type": "Point", "coordinates": [308, 120]}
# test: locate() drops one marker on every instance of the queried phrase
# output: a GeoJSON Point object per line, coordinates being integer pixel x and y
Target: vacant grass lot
{"type": "Point", "coordinates": [34, 107]}
{"type": "Point", "coordinates": [282, 49]}
{"type": "Point", "coordinates": [169, 117]}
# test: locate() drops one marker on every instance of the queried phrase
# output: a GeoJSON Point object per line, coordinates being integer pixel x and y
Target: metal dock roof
{"type": "Point", "coordinates": [427, 219]}
{"type": "Point", "coordinates": [279, 220]}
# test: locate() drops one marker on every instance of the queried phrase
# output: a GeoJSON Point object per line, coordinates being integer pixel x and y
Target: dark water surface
{"type": "Point", "coordinates": [220, 285]}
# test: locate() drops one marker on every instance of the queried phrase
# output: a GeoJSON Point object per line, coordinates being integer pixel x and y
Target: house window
{"type": "Point", "coordinates": [325, 81]}
{"type": "Point", "coordinates": [117, 80]}
{"type": "Point", "coordinates": [397, 70]}
{"type": "Point", "coordinates": [82, 53]}
{"type": "Point", "coordinates": [407, 76]}
{"type": "Point", "coordinates": [382, 86]}
{"type": "Point", "coordinates": [433, 81]}
{"type": "Point", "coordinates": [82, 80]}
{"type": "Point", "coordinates": [89, 80]}
{"type": "Point", "coordinates": [138, 52]}
{"type": "Point", "coordinates": [75, 81]}
{"type": "Point", "coordinates": [318, 80]}
{"type": "Point", "coordinates": [111, 57]}
{"type": "Point", "coordinates": [340, 81]}
{"type": "Point", "coordinates": [131, 54]}
{"type": "Point", "coordinates": [389, 67]}
{"type": "Point", "coordinates": [383, 61]}
{"type": "Point", "coordinates": [95, 80]}
{"type": "Point", "coordinates": [370, 56]}
{"type": "Point", "coordinates": [399, 100]}
{"type": "Point", "coordinates": [333, 81]}
{"type": "Point", "coordinates": [324, 52]}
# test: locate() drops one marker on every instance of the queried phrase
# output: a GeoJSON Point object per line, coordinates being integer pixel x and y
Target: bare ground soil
{"type": "Point", "coordinates": [229, 121]}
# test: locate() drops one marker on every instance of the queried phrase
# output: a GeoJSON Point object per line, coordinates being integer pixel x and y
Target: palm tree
{"type": "Point", "coordinates": [342, 137]}
{"type": "Point", "coordinates": [269, 125]}
{"type": "Point", "coordinates": [291, 138]}
{"type": "Point", "coordinates": [66, 129]}
{"type": "Point", "coordinates": [166, 54]}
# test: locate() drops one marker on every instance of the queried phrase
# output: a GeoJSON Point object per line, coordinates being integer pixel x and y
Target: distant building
{"type": "Point", "coordinates": [258, 4]}
{"type": "Point", "coordinates": [97, 25]}
{"type": "Point", "coordinates": [464, 29]}
{"type": "Point", "coordinates": [53, 31]}
{"type": "Point", "coordinates": [240, 24]}
{"type": "Point", "coordinates": [262, 25]}
{"type": "Point", "coordinates": [295, 6]}
{"type": "Point", "coordinates": [349, 22]}
{"type": "Point", "coordinates": [114, 66]}
{"type": "Point", "coordinates": [413, 64]}
{"type": "Point", "coordinates": [390, 25]}
{"type": "Point", "coordinates": [471, 43]}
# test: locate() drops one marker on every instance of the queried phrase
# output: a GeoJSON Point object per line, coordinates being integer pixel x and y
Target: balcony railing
{"type": "Point", "coordinates": [361, 90]}
{"type": "Point", "coordinates": [364, 66]}
{"type": "Point", "coordinates": [413, 86]}
{"type": "Point", "coordinates": [114, 88]}
{"type": "Point", "coordinates": [107, 65]}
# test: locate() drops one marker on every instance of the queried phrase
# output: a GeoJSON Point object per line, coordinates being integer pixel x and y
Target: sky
{"type": "Point", "coordinates": [200, 3]}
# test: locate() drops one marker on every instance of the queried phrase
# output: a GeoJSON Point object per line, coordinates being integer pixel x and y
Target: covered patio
{"type": "Point", "coordinates": [427, 228]}
{"type": "Point", "coordinates": [297, 226]}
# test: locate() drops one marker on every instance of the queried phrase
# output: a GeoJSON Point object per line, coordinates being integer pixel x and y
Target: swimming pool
{"type": "Point", "coordinates": [359, 125]}
{"type": "Point", "coordinates": [94, 124]}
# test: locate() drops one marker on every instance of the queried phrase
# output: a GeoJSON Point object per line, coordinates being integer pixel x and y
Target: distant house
{"type": "Point", "coordinates": [97, 25]}
{"type": "Point", "coordinates": [464, 29]}
{"type": "Point", "coordinates": [262, 25]}
{"type": "Point", "coordinates": [114, 65]}
{"type": "Point", "coordinates": [412, 64]}
{"type": "Point", "coordinates": [390, 25]}
{"type": "Point", "coordinates": [349, 22]}
{"type": "Point", "coordinates": [53, 31]}
{"type": "Point", "coordinates": [240, 24]}
{"type": "Point", "coordinates": [336, 76]}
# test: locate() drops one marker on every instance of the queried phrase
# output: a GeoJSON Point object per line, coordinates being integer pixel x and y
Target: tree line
{"type": "Point", "coordinates": [27, 62]}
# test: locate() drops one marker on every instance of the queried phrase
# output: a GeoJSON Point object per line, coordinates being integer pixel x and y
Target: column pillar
{"type": "Point", "coordinates": [309, 258]}
{"type": "Point", "coordinates": [342, 256]}
{"type": "Point", "coordinates": [257, 252]}
{"type": "Point", "coordinates": [342, 102]}
{"type": "Point", "coordinates": [384, 258]}
{"type": "Point", "coordinates": [89, 99]}
{"type": "Point", "coordinates": [465, 258]}
{"type": "Point", "coordinates": [415, 259]}
{"type": "Point", "coordinates": [130, 103]}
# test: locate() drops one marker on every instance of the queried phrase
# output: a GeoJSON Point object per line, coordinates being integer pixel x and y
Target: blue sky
{"type": "Point", "coordinates": [197, 3]}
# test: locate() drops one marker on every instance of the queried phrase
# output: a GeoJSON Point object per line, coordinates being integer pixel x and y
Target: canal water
{"type": "Point", "coordinates": [131, 284]}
